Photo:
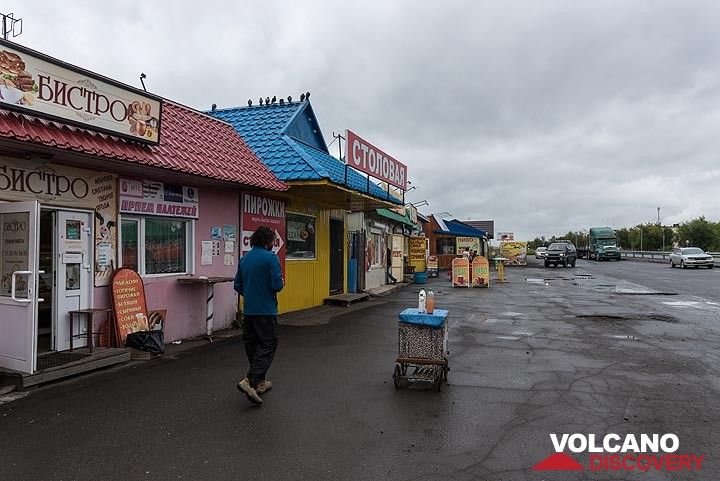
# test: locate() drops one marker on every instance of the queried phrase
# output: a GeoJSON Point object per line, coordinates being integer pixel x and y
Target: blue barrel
{"type": "Point", "coordinates": [420, 277]}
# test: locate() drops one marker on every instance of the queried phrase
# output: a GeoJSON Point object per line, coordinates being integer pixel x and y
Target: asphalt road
{"type": "Point", "coordinates": [603, 348]}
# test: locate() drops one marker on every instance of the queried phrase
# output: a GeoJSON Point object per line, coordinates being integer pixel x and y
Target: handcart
{"type": "Point", "coordinates": [422, 348]}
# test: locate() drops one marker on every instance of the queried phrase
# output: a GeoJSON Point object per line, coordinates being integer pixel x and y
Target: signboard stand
{"type": "Point", "coordinates": [461, 272]}
{"type": "Point", "coordinates": [480, 272]}
{"type": "Point", "coordinates": [432, 266]}
{"type": "Point", "coordinates": [129, 304]}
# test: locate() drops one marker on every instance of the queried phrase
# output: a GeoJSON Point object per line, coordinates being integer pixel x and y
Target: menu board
{"type": "Point", "coordinates": [129, 305]}
{"type": "Point", "coordinates": [461, 272]}
{"type": "Point", "coordinates": [417, 253]}
{"type": "Point", "coordinates": [480, 272]}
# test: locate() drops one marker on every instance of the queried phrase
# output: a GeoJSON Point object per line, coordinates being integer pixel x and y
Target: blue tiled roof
{"type": "Point", "coordinates": [455, 227]}
{"type": "Point", "coordinates": [334, 170]}
{"type": "Point", "coordinates": [264, 128]}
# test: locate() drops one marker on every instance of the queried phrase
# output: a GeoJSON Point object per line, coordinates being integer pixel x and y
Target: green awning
{"type": "Point", "coordinates": [389, 214]}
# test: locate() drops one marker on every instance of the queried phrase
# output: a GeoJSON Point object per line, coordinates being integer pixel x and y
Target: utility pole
{"type": "Point", "coordinates": [658, 209]}
{"type": "Point", "coordinates": [339, 138]}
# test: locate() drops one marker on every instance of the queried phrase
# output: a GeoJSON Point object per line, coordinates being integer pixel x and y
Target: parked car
{"type": "Point", "coordinates": [561, 253]}
{"type": "Point", "coordinates": [691, 257]}
{"type": "Point", "coordinates": [540, 252]}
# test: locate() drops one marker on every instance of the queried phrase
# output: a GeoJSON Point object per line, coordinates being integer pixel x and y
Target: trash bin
{"type": "Point", "coordinates": [420, 277]}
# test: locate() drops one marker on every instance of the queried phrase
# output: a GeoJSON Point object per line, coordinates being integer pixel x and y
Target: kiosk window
{"type": "Point", "coordinates": [445, 245]}
{"type": "Point", "coordinates": [129, 247]}
{"type": "Point", "coordinates": [300, 236]}
{"type": "Point", "coordinates": [156, 245]}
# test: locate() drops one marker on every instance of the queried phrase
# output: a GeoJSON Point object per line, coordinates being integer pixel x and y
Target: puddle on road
{"type": "Point", "coordinates": [622, 288]}
{"type": "Point", "coordinates": [613, 319]}
{"type": "Point", "coordinates": [492, 321]}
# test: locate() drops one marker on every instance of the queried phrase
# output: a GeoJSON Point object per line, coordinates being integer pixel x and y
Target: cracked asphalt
{"type": "Point", "coordinates": [613, 347]}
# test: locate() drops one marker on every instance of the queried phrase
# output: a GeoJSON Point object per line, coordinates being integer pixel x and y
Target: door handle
{"type": "Point", "coordinates": [40, 299]}
{"type": "Point", "coordinates": [13, 286]}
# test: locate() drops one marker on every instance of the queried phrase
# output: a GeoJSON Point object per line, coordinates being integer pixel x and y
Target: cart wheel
{"type": "Point", "coordinates": [445, 373]}
{"type": "Point", "coordinates": [438, 379]}
{"type": "Point", "coordinates": [397, 376]}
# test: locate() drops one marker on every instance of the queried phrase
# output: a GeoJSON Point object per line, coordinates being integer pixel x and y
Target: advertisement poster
{"type": "Point", "coordinates": [480, 272]}
{"type": "Point", "coordinates": [129, 306]}
{"type": "Point", "coordinates": [257, 211]}
{"type": "Point", "coordinates": [14, 247]}
{"type": "Point", "coordinates": [229, 232]}
{"type": "Point", "coordinates": [514, 252]}
{"type": "Point", "coordinates": [69, 187]}
{"type": "Point", "coordinates": [156, 198]}
{"type": "Point", "coordinates": [432, 266]}
{"type": "Point", "coordinates": [417, 254]}
{"type": "Point", "coordinates": [49, 88]}
{"type": "Point", "coordinates": [469, 243]}
{"type": "Point", "coordinates": [461, 272]}
{"type": "Point", "coordinates": [506, 236]}
{"type": "Point", "coordinates": [216, 232]}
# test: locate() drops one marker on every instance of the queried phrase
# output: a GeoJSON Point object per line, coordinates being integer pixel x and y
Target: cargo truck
{"type": "Point", "coordinates": [603, 244]}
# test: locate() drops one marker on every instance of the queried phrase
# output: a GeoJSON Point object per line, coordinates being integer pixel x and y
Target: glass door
{"type": "Point", "coordinates": [19, 246]}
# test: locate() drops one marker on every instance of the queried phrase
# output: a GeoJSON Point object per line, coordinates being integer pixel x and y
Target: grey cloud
{"type": "Point", "coordinates": [504, 110]}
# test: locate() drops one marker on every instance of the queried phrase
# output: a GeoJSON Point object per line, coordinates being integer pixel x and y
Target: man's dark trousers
{"type": "Point", "coordinates": [260, 334]}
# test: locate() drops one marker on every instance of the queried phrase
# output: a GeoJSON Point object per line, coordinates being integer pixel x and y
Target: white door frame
{"type": "Point", "coordinates": [18, 323]}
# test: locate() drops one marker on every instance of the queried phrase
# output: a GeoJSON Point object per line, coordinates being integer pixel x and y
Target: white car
{"type": "Point", "coordinates": [691, 257]}
{"type": "Point", "coordinates": [540, 252]}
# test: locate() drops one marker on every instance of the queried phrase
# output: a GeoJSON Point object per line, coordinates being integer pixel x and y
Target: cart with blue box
{"type": "Point", "coordinates": [422, 348]}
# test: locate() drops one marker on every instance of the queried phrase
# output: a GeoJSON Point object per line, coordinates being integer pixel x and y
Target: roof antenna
{"type": "Point", "coordinates": [142, 80]}
{"type": "Point", "coordinates": [10, 25]}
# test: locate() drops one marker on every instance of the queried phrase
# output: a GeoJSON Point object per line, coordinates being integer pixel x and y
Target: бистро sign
{"type": "Point", "coordinates": [44, 86]}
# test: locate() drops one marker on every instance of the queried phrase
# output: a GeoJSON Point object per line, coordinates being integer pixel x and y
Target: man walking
{"type": "Point", "coordinates": [258, 280]}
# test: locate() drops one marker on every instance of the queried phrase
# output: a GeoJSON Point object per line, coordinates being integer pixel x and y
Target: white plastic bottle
{"type": "Point", "coordinates": [421, 301]}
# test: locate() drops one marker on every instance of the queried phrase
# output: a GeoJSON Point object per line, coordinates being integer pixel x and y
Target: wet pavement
{"type": "Point", "coordinates": [602, 348]}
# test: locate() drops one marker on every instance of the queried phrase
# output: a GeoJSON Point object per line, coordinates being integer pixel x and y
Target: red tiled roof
{"type": "Point", "coordinates": [190, 142]}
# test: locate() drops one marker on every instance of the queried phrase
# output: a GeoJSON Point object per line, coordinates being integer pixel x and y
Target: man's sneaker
{"type": "Point", "coordinates": [252, 395]}
{"type": "Point", "coordinates": [263, 387]}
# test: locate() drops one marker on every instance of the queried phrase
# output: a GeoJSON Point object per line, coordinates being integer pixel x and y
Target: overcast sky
{"type": "Point", "coordinates": [546, 116]}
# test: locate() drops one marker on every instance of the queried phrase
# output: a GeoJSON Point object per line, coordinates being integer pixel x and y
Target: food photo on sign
{"type": "Point", "coordinates": [17, 85]}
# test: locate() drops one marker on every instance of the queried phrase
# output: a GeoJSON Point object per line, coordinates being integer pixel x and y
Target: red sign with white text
{"type": "Point", "coordinates": [258, 210]}
{"type": "Point", "coordinates": [364, 156]}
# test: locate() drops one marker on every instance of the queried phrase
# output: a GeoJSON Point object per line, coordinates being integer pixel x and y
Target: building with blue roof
{"type": "Point", "coordinates": [287, 137]}
{"type": "Point", "coordinates": [449, 237]}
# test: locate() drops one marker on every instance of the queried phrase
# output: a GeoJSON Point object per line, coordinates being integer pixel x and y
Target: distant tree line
{"type": "Point", "coordinates": [697, 233]}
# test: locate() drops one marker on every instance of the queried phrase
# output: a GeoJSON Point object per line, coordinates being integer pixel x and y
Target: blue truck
{"type": "Point", "coordinates": [603, 244]}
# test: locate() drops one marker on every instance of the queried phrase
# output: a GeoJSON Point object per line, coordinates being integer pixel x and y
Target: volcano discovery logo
{"type": "Point", "coordinates": [647, 452]}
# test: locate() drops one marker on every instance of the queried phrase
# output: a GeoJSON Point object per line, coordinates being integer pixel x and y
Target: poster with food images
{"type": "Point", "coordinates": [47, 87]}
{"type": "Point", "coordinates": [514, 252]}
{"type": "Point", "coordinates": [480, 272]}
{"type": "Point", "coordinates": [460, 272]}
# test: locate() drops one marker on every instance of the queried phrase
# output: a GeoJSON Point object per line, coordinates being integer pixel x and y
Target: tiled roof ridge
{"type": "Point", "coordinates": [254, 106]}
{"type": "Point", "coordinates": [319, 169]}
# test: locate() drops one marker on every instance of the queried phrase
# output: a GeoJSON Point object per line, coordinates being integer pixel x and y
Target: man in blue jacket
{"type": "Point", "coordinates": [258, 280]}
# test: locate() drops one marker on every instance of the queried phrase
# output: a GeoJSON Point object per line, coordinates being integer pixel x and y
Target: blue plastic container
{"type": "Point", "coordinates": [420, 277]}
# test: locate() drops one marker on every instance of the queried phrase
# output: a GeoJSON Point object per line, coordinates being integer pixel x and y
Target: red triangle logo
{"type": "Point", "coordinates": [558, 462]}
